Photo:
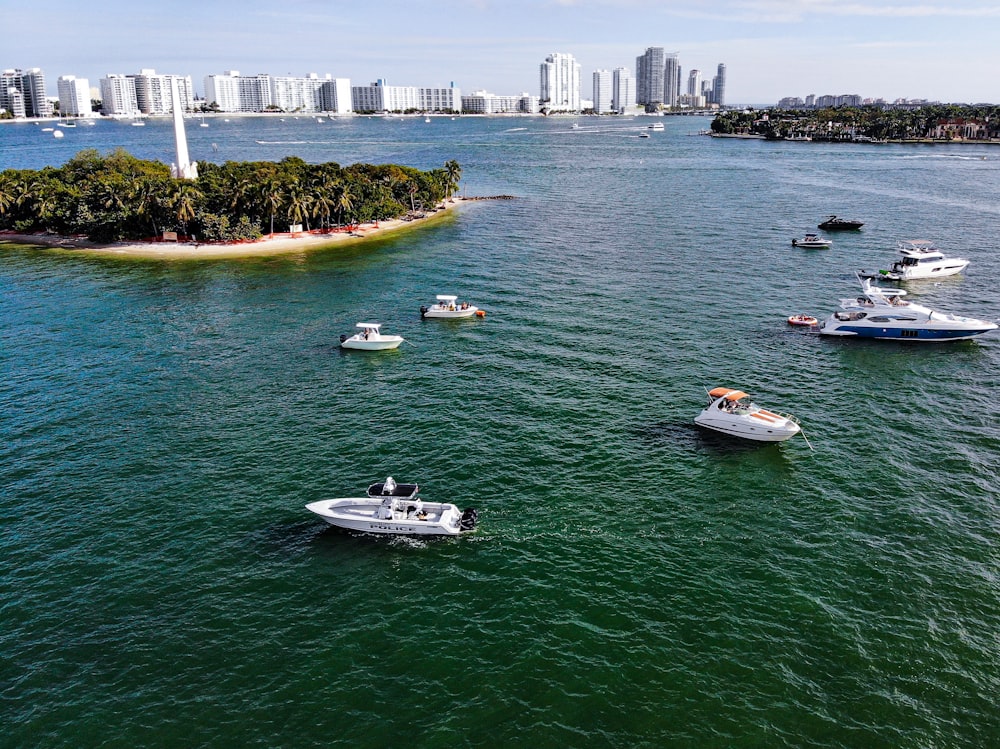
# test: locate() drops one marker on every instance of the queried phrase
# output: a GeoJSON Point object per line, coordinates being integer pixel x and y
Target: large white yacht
{"type": "Point", "coordinates": [883, 314]}
{"type": "Point", "coordinates": [921, 259]}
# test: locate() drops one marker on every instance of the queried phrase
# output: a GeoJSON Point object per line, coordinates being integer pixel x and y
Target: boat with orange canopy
{"type": "Point", "coordinates": [731, 411]}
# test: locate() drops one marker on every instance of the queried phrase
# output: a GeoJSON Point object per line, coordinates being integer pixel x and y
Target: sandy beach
{"type": "Point", "coordinates": [278, 244]}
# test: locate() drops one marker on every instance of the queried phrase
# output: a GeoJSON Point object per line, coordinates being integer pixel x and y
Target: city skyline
{"type": "Point", "coordinates": [771, 47]}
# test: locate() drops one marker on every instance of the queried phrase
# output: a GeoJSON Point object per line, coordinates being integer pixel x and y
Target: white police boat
{"type": "Point", "coordinates": [391, 508]}
{"type": "Point", "coordinates": [882, 314]}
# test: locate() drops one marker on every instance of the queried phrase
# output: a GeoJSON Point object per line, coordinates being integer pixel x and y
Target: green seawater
{"type": "Point", "coordinates": [634, 581]}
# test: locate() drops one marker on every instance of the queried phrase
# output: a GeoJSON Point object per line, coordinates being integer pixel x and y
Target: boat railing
{"type": "Point", "coordinates": [769, 412]}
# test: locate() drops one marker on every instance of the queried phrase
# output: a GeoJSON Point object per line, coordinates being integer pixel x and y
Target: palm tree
{"type": "Point", "coordinates": [453, 170]}
{"type": "Point", "coordinates": [344, 202]}
{"type": "Point", "coordinates": [298, 205]}
{"type": "Point", "coordinates": [323, 203]}
{"type": "Point", "coordinates": [185, 202]}
{"type": "Point", "coordinates": [8, 193]}
{"type": "Point", "coordinates": [272, 196]}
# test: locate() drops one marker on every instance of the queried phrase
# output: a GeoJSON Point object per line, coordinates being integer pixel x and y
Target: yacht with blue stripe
{"type": "Point", "coordinates": [883, 314]}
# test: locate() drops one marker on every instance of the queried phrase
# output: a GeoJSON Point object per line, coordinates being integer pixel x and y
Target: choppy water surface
{"type": "Point", "coordinates": [634, 581]}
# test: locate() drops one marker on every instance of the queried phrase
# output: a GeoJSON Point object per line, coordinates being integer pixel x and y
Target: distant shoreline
{"type": "Point", "coordinates": [271, 245]}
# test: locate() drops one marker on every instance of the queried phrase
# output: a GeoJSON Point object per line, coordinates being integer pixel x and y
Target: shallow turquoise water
{"type": "Point", "coordinates": [634, 581]}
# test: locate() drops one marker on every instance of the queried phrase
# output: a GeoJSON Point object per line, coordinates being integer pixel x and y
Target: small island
{"type": "Point", "coordinates": [867, 124]}
{"type": "Point", "coordinates": [117, 201]}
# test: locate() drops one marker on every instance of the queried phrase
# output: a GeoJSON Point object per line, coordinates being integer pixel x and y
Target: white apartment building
{"type": "Point", "coordinates": [440, 99]}
{"type": "Point", "coordinates": [235, 93]}
{"type": "Point", "coordinates": [335, 96]}
{"type": "Point", "coordinates": [11, 98]}
{"type": "Point", "coordinates": [118, 96]}
{"type": "Point", "coordinates": [152, 92]}
{"type": "Point", "coordinates": [622, 90]}
{"type": "Point", "coordinates": [22, 93]}
{"type": "Point", "coordinates": [603, 91]}
{"type": "Point", "coordinates": [559, 83]}
{"type": "Point", "coordinates": [74, 96]}
{"type": "Point", "coordinates": [255, 93]}
{"type": "Point", "coordinates": [293, 94]}
{"type": "Point", "coordinates": [483, 102]}
{"type": "Point", "coordinates": [223, 90]}
{"type": "Point", "coordinates": [379, 97]}
{"type": "Point", "coordinates": [694, 83]}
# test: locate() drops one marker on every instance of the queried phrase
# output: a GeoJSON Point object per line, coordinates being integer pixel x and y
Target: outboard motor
{"type": "Point", "coordinates": [423, 310]}
{"type": "Point", "coordinates": [468, 519]}
{"type": "Point", "coordinates": [344, 337]}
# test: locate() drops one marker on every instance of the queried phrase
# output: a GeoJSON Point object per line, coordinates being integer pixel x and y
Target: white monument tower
{"type": "Point", "coordinates": [184, 168]}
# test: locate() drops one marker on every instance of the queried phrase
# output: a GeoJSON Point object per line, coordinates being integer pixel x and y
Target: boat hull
{"type": "Point", "coordinates": [777, 430]}
{"type": "Point", "coordinates": [450, 314]}
{"type": "Point", "coordinates": [930, 335]}
{"type": "Point", "coordinates": [923, 274]}
{"type": "Point", "coordinates": [384, 343]}
{"type": "Point", "coordinates": [365, 515]}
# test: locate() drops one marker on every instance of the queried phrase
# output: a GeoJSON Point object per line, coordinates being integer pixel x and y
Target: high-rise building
{"type": "Point", "coordinates": [649, 73]}
{"type": "Point", "coordinates": [694, 82]}
{"type": "Point", "coordinates": [335, 95]}
{"type": "Point", "coordinates": [22, 93]}
{"type": "Point", "coordinates": [118, 96]}
{"type": "Point", "coordinates": [559, 83]}
{"type": "Point", "coordinates": [719, 86]}
{"type": "Point", "coordinates": [74, 96]}
{"type": "Point", "coordinates": [152, 92]}
{"type": "Point", "coordinates": [255, 93]}
{"type": "Point", "coordinates": [603, 91]}
{"type": "Point", "coordinates": [11, 98]}
{"type": "Point", "coordinates": [223, 90]}
{"type": "Point", "coordinates": [622, 90]}
{"type": "Point", "coordinates": [671, 80]}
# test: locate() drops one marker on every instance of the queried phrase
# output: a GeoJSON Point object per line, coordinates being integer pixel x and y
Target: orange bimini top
{"type": "Point", "coordinates": [731, 395]}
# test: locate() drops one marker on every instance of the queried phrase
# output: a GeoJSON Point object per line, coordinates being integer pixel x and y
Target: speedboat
{"type": "Point", "coordinates": [732, 412]}
{"type": "Point", "coordinates": [370, 339]}
{"type": "Point", "coordinates": [812, 242]}
{"type": "Point", "coordinates": [448, 306]}
{"type": "Point", "coordinates": [395, 509]}
{"type": "Point", "coordinates": [921, 259]}
{"type": "Point", "coordinates": [833, 223]}
{"type": "Point", "coordinates": [883, 314]}
{"type": "Point", "coordinates": [656, 126]}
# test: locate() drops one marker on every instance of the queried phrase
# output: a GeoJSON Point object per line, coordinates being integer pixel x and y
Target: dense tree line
{"type": "Point", "coordinates": [119, 197]}
{"type": "Point", "coordinates": [846, 123]}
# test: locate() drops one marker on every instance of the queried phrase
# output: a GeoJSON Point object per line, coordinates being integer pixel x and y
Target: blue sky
{"type": "Point", "coordinates": [947, 50]}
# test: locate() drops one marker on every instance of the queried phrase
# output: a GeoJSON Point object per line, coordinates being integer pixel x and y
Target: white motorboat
{"type": "Point", "coordinates": [395, 509]}
{"type": "Point", "coordinates": [883, 314]}
{"type": "Point", "coordinates": [921, 259]}
{"type": "Point", "coordinates": [370, 339]}
{"type": "Point", "coordinates": [655, 126]}
{"type": "Point", "coordinates": [448, 306]}
{"type": "Point", "coordinates": [732, 412]}
{"type": "Point", "coordinates": [812, 242]}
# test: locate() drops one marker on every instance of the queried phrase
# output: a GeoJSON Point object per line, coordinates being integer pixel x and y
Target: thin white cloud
{"type": "Point", "coordinates": [800, 9]}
